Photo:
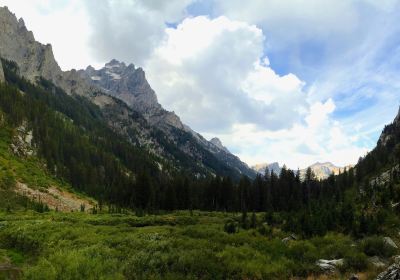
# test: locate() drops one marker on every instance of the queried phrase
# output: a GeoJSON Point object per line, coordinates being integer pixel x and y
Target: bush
{"type": "Point", "coordinates": [231, 227]}
{"type": "Point", "coordinates": [265, 229]}
{"type": "Point", "coordinates": [376, 246]}
{"type": "Point", "coordinates": [355, 261]}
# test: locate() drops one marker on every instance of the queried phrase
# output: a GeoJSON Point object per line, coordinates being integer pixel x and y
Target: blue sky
{"type": "Point", "coordinates": [290, 81]}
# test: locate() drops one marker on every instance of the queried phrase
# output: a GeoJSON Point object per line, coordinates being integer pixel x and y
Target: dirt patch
{"type": "Point", "coordinates": [55, 198]}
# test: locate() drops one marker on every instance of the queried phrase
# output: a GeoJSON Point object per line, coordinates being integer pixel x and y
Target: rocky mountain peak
{"type": "Point", "coordinates": [217, 142]}
{"type": "Point", "coordinates": [90, 68]}
{"type": "Point", "coordinates": [274, 167]}
{"type": "Point", "coordinates": [115, 63]}
{"type": "Point", "coordinates": [126, 83]}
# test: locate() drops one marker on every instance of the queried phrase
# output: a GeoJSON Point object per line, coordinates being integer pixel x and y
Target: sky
{"type": "Point", "coordinates": [295, 81]}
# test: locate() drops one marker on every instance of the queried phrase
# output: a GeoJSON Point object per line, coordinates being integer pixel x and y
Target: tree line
{"type": "Point", "coordinates": [71, 136]}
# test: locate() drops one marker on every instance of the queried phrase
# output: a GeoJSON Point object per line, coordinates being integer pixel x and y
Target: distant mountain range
{"type": "Point", "coordinates": [261, 167]}
{"type": "Point", "coordinates": [321, 170]}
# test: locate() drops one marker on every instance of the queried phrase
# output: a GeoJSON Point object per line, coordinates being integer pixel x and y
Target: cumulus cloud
{"type": "Point", "coordinates": [213, 74]}
{"type": "Point", "coordinates": [129, 30]}
{"type": "Point", "coordinates": [319, 138]}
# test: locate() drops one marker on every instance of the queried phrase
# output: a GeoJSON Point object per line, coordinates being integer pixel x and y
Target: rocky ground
{"type": "Point", "coordinates": [55, 198]}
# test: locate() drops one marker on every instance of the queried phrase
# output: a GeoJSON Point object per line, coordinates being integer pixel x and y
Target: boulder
{"type": "Point", "coordinates": [289, 238]}
{"type": "Point", "coordinates": [376, 262]}
{"type": "Point", "coordinates": [388, 241]}
{"type": "Point", "coordinates": [329, 265]}
{"type": "Point", "coordinates": [391, 273]}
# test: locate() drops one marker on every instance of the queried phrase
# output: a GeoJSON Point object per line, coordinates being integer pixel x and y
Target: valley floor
{"type": "Point", "coordinates": [57, 245]}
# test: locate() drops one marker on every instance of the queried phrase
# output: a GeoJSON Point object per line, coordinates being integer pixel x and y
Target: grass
{"type": "Point", "coordinates": [170, 246]}
{"type": "Point", "coordinates": [28, 170]}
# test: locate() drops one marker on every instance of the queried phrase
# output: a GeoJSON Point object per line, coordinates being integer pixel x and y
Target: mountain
{"type": "Point", "coordinates": [321, 170]}
{"type": "Point", "coordinates": [274, 167]}
{"type": "Point", "coordinates": [126, 100]}
{"type": "Point", "coordinates": [129, 84]}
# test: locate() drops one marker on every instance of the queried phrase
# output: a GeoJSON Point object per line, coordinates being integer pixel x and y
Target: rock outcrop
{"type": "Point", "coordinates": [22, 144]}
{"type": "Point", "coordinates": [377, 262]}
{"type": "Point", "coordinates": [34, 59]}
{"type": "Point", "coordinates": [217, 142]}
{"type": "Point", "coordinates": [18, 44]}
{"type": "Point", "coordinates": [391, 273]}
{"type": "Point", "coordinates": [329, 265]}
{"type": "Point", "coordinates": [389, 242]}
{"type": "Point", "coordinates": [126, 83]}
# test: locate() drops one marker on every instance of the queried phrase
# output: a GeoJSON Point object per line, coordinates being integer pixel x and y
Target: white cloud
{"type": "Point", "coordinates": [129, 30]}
{"type": "Point", "coordinates": [213, 74]}
{"type": "Point", "coordinates": [320, 138]}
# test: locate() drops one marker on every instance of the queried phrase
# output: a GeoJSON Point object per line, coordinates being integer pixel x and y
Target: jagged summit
{"type": "Point", "coordinates": [126, 83]}
{"type": "Point", "coordinates": [217, 142]}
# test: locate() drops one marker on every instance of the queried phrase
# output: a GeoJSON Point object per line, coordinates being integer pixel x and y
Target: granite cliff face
{"type": "Point", "coordinates": [126, 99]}
{"type": "Point", "coordinates": [34, 59]}
{"type": "Point", "coordinates": [125, 82]}
{"type": "Point", "coordinates": [18, 44]}
{"type": "Point", "coordinates": [274, 167]}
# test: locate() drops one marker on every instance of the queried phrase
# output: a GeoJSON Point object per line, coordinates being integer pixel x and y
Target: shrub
{"type": "Point", "coordinates": [265, 229]}
{"type": "Point", "coordinates": [231, 227]}
{"type": "Point", "coordinates": [376, 246]}
{"type": "Point", "coordinates": [355, 261]}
